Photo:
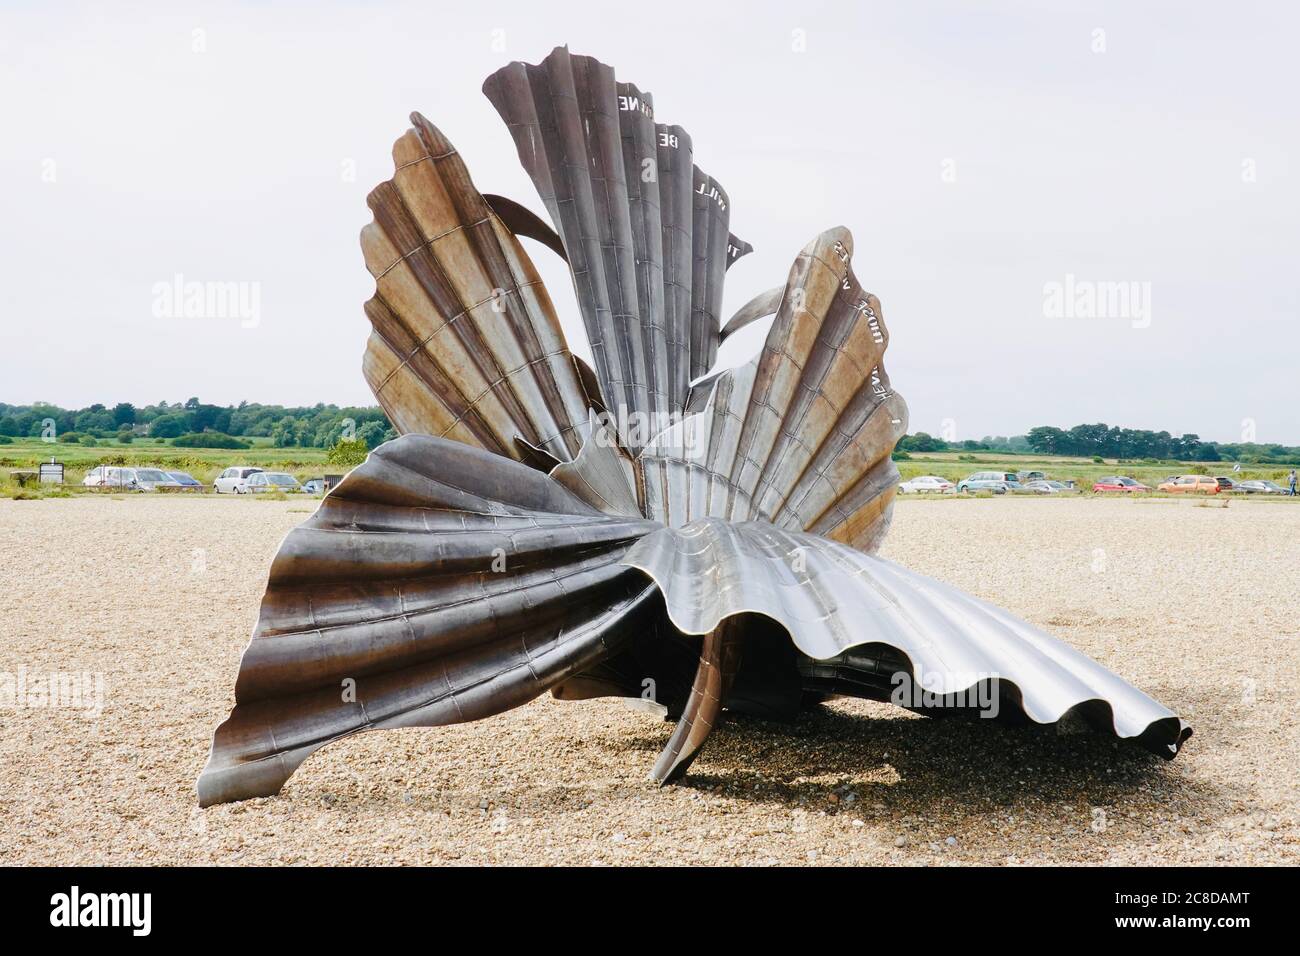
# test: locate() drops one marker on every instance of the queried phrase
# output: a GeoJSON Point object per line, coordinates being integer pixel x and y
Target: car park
{"type": "Point", "coordinates": [271, 481]}
{"type": "Point", "coordinates": [233, 480]}
{"type": "Point", "coordinates": [927, 483]}
{"type": "Point", "coordinates": [1261, 487]}
{"type": "Point", "coordinates": [1192, 484]}
{"type": "Point", "coordinates": [1118, 483]}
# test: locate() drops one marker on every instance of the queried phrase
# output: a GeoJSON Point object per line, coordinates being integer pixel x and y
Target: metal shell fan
{"type": "Point", "coordinates": [543, 525]}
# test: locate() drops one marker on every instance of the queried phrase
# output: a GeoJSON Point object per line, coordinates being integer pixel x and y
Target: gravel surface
{"type": "Point", "coordinates": [1194, 602]}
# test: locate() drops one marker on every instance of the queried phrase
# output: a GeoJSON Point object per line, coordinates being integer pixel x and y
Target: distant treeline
{"type": "Point", "coordinates": [1112, 442]}
{"type": "Point", "coordinates": [922, 441]}
{"type": "Point", "coordinates": [318, 426]}
{"type": "Point", "coordinates": [1106, 441]}
{"type": "Point", "coordinates": [321, 426]}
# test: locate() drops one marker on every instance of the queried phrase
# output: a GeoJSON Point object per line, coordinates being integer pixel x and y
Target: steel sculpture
{"type": "Point", "coordinates": [593, 531]}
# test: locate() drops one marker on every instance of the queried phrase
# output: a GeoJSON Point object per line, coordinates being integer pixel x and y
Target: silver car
{"type": "Point", "coordinates": [1260, 487]}
{"type": "Point", "coordinates": [1047, 486]}
{"type": "Point", "coordinates": [155, 479]}
{"type": "Point", "coordinates": [994, 481]}
{"type": "Point", "coordinates": [270, 481]}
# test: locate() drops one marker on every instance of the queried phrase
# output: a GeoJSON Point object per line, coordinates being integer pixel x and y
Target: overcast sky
{"type": "Point", "coordinates": [977, 157]}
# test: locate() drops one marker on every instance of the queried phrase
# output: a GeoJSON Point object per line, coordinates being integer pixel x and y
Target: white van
{"type": "Point", "coordinates": [106, 476]}
{"type": "Point", "coordinates": [234, 480]}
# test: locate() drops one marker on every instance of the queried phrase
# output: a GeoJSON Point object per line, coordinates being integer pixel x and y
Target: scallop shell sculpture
{"type": "Point", "coordinates": [596, 531]}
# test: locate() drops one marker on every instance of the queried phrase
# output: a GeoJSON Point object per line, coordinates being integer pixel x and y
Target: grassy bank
{"type": "Point", "coordinates": [203, 463]}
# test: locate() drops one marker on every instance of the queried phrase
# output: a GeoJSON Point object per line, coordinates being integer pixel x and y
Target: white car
{"type": "Point", "coordinates": [930, 483]}
{"type": "Point", "coordinates": [235, 480]}
{"type": "Point", "coordinates": [106, 476]}
{"type": "Point", "coordinates": [271, 481]}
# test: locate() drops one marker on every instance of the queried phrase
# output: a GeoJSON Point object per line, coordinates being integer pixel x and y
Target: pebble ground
{"type": "Point", "coordinates": [1194, 602]}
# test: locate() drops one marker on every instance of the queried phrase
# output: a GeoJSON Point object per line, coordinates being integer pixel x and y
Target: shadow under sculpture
{"type": "Point", "coordinates": [638, 527]}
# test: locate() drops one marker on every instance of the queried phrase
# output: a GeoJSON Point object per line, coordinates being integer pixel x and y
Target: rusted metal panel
{"type": "Point", "coordinates": [466, 343]}
{"type": "Point", "coordinates": [438, 583]}
{"type": "Point", "coordinates": [602, 475]}
{"type": "Point", "coordinates": [720, 654]}
{"type": "Point", "coordinates": [802, 435]}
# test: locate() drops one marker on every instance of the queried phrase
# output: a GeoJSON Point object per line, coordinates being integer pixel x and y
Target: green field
{"type": "Point", "coordinates": [203, 463]}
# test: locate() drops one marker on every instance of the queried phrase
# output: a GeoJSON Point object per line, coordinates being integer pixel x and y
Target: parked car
{"type": "Point", "coordinates": [931, 483]}
{"type": "Point", "coordinates": [271, 481]}
{"type": "Point", "coordinates": [1225, 483]}
{"type": "Point", "coordinates": [313, 486]}
{"type": "Point", "coordinates": [973, 485]}
{"type": "Point", "coordinates": [234, 480]}
{"type": "Point", "coordinates": [187, 481]}
{"type": "Point", "coordinates": [107, 476]}
{"type": "Point", "coordinates": [999, 482]}
{"type": "Point", "coordinates": [1118, 483]}
{"type": "Point", "coordinates": [1192, 484]}
{"type": "Point", "coordinates": [155, 479]}
{"type": "Point", "coordinates": [1261, 487]}
{"type": "Point", "coordinates": [1025, 477]}
{"type": "Point", "coordinates": [1046, 486]}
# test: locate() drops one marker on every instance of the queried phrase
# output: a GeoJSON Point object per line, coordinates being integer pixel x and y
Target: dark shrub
{"type": "Point", "coordinates": [208, 440]}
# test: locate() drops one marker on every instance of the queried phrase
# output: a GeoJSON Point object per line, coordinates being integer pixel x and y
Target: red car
{"type": "Point", "coordinates": [1118, 484]}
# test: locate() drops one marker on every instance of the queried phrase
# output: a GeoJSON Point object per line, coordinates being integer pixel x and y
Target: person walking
{"type": "Point", "coordinates": [1291, 479]}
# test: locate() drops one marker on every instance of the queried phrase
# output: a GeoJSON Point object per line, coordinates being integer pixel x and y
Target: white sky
{"type": "Point", "coordinates": [1127, 165]}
